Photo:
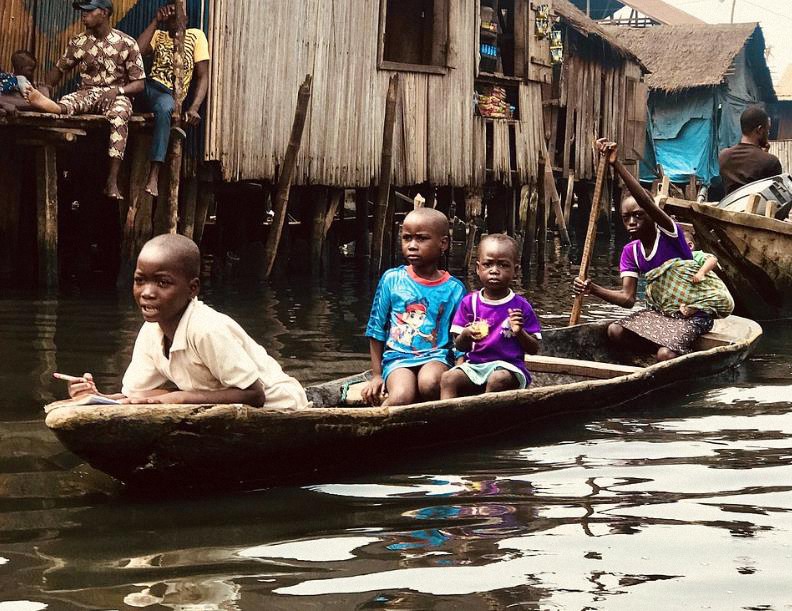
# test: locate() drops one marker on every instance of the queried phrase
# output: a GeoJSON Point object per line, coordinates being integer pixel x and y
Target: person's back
{"type": "Point", "coordinates": [748, 161]}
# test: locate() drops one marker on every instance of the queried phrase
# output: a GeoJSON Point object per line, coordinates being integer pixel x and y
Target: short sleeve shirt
{"type": "Point", "coordinates": [668, 245]}
{"type": "Point", "coordinates": [412, 316]}
{"type": "Point", "coordinates": [500, 344]}
{"type": "Point", "coordinates": [112, 61]}
{"type": "Point", "coordinates": [8, 83]}
{"type": "Point", "coordinates": [196, 49]}
{"type": "Point", "coordinates": [210, 351]}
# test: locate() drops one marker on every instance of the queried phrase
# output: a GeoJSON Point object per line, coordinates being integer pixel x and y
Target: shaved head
{"type": "Point", "coordinates": [177, 250]}
{"type": "Point", "coordinates": [430, 217]}
{"type": "Point", "coordinates": [503, 240]}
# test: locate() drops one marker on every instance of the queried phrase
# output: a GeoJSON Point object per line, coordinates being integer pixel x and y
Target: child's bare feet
{"type": "Point", "coordinates": [112, 191]}
{"type": "Point", "coordinates": [41, 102]}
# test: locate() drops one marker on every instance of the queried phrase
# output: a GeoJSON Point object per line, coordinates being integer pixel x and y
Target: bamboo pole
{"type": "Point", "coordinates": [285, 178]}
{"type": "Point", "coordinates": [591, 235]}
{"type": "Point", "coordinates": [175, 158]}
{"type": "Point", "coordinates": [386, 168]}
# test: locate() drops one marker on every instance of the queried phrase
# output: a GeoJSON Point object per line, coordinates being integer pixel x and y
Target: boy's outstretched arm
{"type": "Point", "coordinates": [252, 395]}
{"type": "Point", "coordinates": [372, 393]}
{"type": "Point", "coordinates": [625, 297]}
{"type": "Point", "coordinates": [642, 198]}
{"type": "Point", "coordinates": [710, 263]}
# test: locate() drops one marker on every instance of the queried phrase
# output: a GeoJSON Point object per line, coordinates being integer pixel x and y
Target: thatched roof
{"type": "Point", "coordinates": [577, 20]}
{"type": "Point", "coordinates": [687, 56]}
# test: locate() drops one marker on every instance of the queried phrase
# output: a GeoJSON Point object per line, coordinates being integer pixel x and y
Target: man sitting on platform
{"type": "Point", "coordinates": [748, 160]}
{"type": "Point", "coordinates": [111, 70]}
{"type": "Point", "coordinates": [161, 81]}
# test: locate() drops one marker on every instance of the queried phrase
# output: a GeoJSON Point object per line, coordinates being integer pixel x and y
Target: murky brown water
{"type": "Point", "coordinates": [674, 503]}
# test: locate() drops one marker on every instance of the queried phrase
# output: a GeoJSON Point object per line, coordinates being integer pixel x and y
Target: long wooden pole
{"type": "Point", "coordinates": [591, 235]}
{"type": "Point", "coordinates": [175, 157]}
{"type": "Point", "coordinates": [386, 167]}
{"type": "Point", "coordinates": [285, 177]}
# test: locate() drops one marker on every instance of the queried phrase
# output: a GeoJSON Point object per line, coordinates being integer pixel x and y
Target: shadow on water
{"type": "Point", "coordinates": [683, 497]}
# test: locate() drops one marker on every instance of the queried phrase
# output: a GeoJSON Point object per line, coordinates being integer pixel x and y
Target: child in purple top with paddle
{"type": "Point", "coordinates": [494, 326]}
{"type": "Point", "coordinates": [656, 239]}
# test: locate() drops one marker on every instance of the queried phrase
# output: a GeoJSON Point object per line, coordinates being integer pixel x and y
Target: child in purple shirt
{"type": "Point", "coordinates": [493, 326]}
{"type": "Point", "coordinates": [656, 238]}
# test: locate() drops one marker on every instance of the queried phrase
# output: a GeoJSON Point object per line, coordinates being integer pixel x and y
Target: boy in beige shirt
{"type": "Point", "coordinates": [184, 343]}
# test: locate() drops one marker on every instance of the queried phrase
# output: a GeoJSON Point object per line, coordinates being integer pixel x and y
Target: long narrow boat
{"type": "Point", "coordinates": [755, 255]}
{"type": "Point", "coordinates": [235, 445]}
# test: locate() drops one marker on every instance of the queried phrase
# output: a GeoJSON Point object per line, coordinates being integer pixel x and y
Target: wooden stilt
{"type": "Point", "coordinates": [10, 207]}
{"type": "Point", "coordinates": [470, 243]}
{"type": "Point", "coordinates": [473, 197]}
{"type": "Point", "coordinates": [204, 201]}
{"type": "Point", "coordinates": [362, 240]}
{"type": "Point", "coordinates": [176, 145]}
{"type": "Point", "coordinates": [136, 228]}
{"type": "Point", "coordinates": [285, 177]}
{"type": "Point", "coordinates": [189, 203]}
{"type": "Point", "coordinates": [530, 227]}
{"type": "Point", "coordinates": [319, 210]}
{"type": "Point", "coordinates": [386, 167]}
{"type": "Point", "coordinates": [47, 215]}
{"type": "Point", "coordinates": [570, 190]}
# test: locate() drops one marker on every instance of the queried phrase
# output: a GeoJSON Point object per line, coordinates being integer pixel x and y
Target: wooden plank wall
{"type": "Point", "coordinates": [263, 50]}
{"type": "Point", "coordinates": [783, 150]}
{"type": "Point", "coordinates": [600, 100]}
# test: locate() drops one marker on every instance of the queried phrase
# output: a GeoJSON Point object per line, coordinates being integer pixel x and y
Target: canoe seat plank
{"type": "Point", "coordinates": [713, 339]}
{"type": "Point", "coordinates": [589, 369]}
{"type": "Point", "coordinates": [353, 394]}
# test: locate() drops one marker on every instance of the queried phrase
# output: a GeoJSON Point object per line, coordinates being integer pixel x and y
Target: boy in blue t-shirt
{"type": "Point", "coordinates": [409, 328]}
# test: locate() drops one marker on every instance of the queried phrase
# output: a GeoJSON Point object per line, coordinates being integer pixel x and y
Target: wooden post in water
{"type": "Point", "coordinates": [285, 177]}
{"type": "Point", "coordinates": [386, 168]}
{"type": "Point", "coordinates": [570, 191]}
{"type": "Point", "coordinates": [176, 143]}
{"type": "Point", "coordinates": [47, 215]}
{"type": "Point", "coordinates": [362, 242]}
{"type": "Point", "coordinates": [591, 235]}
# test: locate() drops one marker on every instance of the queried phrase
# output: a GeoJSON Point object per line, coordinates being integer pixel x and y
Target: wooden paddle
{"type": "Point", "coordinates": [591, 234]}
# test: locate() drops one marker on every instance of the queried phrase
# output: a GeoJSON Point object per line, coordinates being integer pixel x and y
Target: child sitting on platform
{"type": "Point", "coordinates": [408, 330]}
{"type": "Point", "coordinates": [186, 352]}
{"type": "Point", "coordinates": [13, 84]}
{"type": "Point", "coordinates": [494, 326]}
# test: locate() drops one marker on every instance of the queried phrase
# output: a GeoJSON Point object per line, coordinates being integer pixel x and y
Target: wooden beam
{"type": "Point", "coordinates": [285, 178]}
{"type": "Point", "coordinates": [589, 369]}
{"type": "Point", "coordinates": [47, 216]}
{"type": "Point", "coordinates": [386, 170]}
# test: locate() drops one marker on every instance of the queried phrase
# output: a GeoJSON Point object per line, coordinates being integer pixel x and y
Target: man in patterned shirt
{"type": "Point", "coordinates": [158, 38]}
{"type": "Point", "coordinates": [111, 70]}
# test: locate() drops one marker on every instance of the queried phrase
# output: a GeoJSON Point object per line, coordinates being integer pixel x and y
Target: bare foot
{"type": "Point", "coordinates": [152, 187]}
{"type": "Point", "coordinates": [40, 102]}
{"type": "Point", "coordinates": [687, 311]}
{"type": "Point", "coordinates": [112, 192]}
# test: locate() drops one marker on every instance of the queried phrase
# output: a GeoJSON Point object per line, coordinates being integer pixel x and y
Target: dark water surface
{"type": "Point", "coordinates": [672, 503]}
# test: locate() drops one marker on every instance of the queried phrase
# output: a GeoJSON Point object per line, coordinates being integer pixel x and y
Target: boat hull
{"type": "Point", "coordinates": [233, 445]}
{"type": "Point", "coordinates": [755, 256]}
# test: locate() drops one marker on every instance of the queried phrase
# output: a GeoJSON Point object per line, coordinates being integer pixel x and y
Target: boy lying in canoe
{"type": "Point", "coordinates": [186, 352]}
{"type": "Point", "coordinates": [493, 326]}
{"type": "Point", "coordinates": [408, 329]}
{"type": "Point", "coordinates": [658, 245]}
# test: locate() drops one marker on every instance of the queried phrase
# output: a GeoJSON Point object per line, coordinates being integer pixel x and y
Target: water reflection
{"type": "Point", "coordinates": [685, 498]}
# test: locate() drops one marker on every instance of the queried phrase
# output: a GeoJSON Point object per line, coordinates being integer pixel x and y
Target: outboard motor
{"type": "Point", "coordinates": [778, 188]}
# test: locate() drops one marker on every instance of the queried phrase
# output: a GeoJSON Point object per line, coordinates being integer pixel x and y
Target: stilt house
{"type": "Point", "coordinates": [702, 78]}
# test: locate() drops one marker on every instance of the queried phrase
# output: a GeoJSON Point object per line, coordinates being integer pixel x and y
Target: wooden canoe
{"type": "Point", "coordinates": [235, 445]}
{"type": "Point", "coordinates": [755, 255]}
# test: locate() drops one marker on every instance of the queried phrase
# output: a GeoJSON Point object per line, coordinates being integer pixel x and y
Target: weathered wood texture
{"type": "Point", "coordinates": [783, 150]}
{"type": "Point", "coordinates": [755, 255]}
{"type": "Point", "coordinates": [600, 98]}
{"type": "Point", "coordinates": [47, 215]}
{"type": "Point", "coordinates": [232, 445]}
{"type": "Point", "coordinates": [336, 41]}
